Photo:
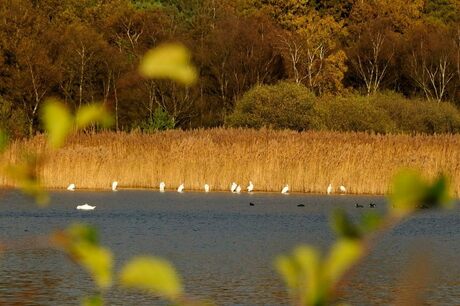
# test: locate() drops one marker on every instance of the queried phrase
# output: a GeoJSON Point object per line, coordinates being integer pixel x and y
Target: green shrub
{"type": "Point", "coordinates": [419, 116]}
{"type": "Point", "coordinates": [285, 105]}
{"type": "Point", "coordinates": [353, 113]}
{"type": "Point", "coordinates": [293, 106]}
{"type": "Point", "coordinates": [160, 121]}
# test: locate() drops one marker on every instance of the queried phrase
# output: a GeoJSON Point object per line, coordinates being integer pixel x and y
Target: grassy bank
{"type": "Point", "coordinates": [307, 161]}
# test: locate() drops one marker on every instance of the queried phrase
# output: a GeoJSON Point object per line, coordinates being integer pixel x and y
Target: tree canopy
{"type": "Point", "coordinates": [89, 50]}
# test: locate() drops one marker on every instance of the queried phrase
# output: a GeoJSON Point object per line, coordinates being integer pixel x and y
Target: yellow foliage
{"type": "Point", "coordinates": [92, 113]}
{"type": "Point", "coordinates": [409, 192]}
{"type": "Point", "coordinates": [400, 13]}
{"type": "Point", "coordinates": [172, 61]}
{"type": "Point", "coordinates": [81, 244]}
{"type": "Point", "coordinates": [311, 281]}
{"type": "Point", "coordinates": [98, 261]}
{"type": "Point", "coordinates": [58, 122]}
{"type": "Point", "coordinates": [152, 274]}
{"type": "Point", "coordinates": [25, 176]}
{"type": "Point", "coordinates": [301, 273]}
{"type": "Point", "coordinates": [343, 255]}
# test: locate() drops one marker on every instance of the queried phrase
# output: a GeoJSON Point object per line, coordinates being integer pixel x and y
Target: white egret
{"type": "Point", "coordinates": [329, 189]}
{"type": "Point", "coordinates": [206, 188]}
{"type": "Point", "coordinates": [114, 185]}
{"type": "Point", "coordinates": [250, 186]}
{"type": "Point", "coordinates": [180, 188]}
{"type": "Point", "coordinates": [162, 186]}
{"type": "Point", "coordinates": [86, 206]}
{"type": "Point", "coordinates": [233, 187]}
{"type": "Point", "coordinates": [238, 189]}
{"type": "Point", "coordinates": [285, 189]}
{"type": "Point", "coordinates": [342, 189]}
{"type": "Point", "coordinates": [71, 187]}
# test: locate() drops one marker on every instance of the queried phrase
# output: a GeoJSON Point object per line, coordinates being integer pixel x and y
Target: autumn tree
{"type": "Point", "coordinates": [371, 58]}
{"type": "Point", "coordinates": [310, 44]}
{"type": "Point", "coordinates": [338, 9]}
{"type": "Point", "coordinates": [313, 54]}
{"type": "Point", "coordinates": [431, 60]}
{"type": "Point", "coordinates": [397, 15]}
{"type": "Point", "coordinates": [374, 48]}
{"type": "Point", "coordinates": [32, 68]}
{"type": "Point", "coordinates": [442, 11]}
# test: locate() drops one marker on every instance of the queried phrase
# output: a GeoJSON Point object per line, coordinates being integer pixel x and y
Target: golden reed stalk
{"type": "Point", "coordinates": [307, 161]}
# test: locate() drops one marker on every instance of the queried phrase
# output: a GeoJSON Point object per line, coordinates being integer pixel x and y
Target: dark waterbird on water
{"type": "Point", "coordinates": [358, 205]}
{"type": "Point", "coordinates": [300, 205]}
{"type": "Point", "coordinates": [371, 205]}
{"type": "Point", "coordinates": [251, 204]}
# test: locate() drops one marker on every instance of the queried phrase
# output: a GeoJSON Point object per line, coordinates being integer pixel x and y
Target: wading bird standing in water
{"type": "Point", "coordinates": [233, 187]}
{"type": "Point", "coordinates": [285, 190]}
{"type": "Point", "coordinates": [71, 187]}
{"type": "Point", "coordinates": [180, 188]}
{"type": "Point", "coordinates": [342, 189]}
{"type": "Point", "coordinates": [162, 186]}
{"type": "Point", "coordinates": [250, 186]}
{"type": "Point", "coordinates": [206, 188]}
{"type": "Point", "coordinates": [238, 189]}
{"type": "Point", "coordinates": [114, 185]}
{"type": "Point", "coordinates": [329, 189]}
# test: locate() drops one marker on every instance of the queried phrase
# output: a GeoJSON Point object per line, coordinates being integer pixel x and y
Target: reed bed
{"type": "Point", "coordinates": [307, 161]}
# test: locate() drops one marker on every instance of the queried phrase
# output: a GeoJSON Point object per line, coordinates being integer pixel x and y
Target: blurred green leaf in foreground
{"type": "Point", "coordinates": [152, 274]}
{"type": "Point", "coordinates": [313, 281]}
{"type": "Point", "coordinates": [410, 192]}
{"type": "Point", "coordinates": [169, 61]}
{"type": "Point", "coordinates": [95, 300]}
{"type": "Point", "coordinates": [58, 122]}
{"type": "Point", "coordinates": [310, 280]}
{"type": "Point", "coordinates": [80, 242]}
{"type": "Point", "coordinates": [25, 173]}
{"type": "Point", "coordinates": [93, 113]}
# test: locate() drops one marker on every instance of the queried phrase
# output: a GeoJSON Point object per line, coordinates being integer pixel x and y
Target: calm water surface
{"type": "Point", "coordinates": [222, 247]}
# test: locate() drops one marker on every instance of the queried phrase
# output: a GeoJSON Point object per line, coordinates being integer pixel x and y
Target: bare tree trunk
{"type": "Point", "coordinates": [432, 78]}
{"type": "Point", "coordinates": [38, 96]}
{"type": "Point", "coordinates": [439, 78]}
{"type": "Point", "coordinates": [107, 86]}
{"type": "Point", "coordinates": [294, 51]}
{"type": "Point", "coordinates": [370, 70]}
{"type": "Point", "coordinates": [315, 58]}
{"type": "Point", "coordinates": [82, 73]}
{"type": "Point", "coordinates": [457, 45]}
{"type": "Point", "coordinates": [115, 97]}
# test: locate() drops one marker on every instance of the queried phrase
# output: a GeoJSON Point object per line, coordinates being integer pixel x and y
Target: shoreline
{"type": "Point", "coordinates": [307, 161]}
{"type": "Point", "coordinates": [174, 191]}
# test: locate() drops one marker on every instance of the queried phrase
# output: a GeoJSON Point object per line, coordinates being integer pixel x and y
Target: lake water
{"type": "Point", "coordinates": [222, 247]}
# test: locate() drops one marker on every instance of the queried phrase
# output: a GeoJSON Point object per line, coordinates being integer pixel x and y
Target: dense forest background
{"type": "Point", "coordinates": [83, 51]}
